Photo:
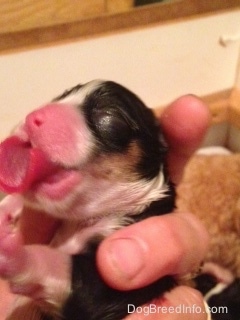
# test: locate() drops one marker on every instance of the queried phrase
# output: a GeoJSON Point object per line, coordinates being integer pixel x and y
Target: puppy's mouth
{"type": "Point", "coordinates": [24, 167]}
{"type": "Point", "coordinates": [58, 184]}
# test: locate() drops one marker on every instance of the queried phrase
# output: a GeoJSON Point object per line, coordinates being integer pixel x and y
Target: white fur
{"type": "Point", "coordinates": [77, 98]}
{"type": "Point", "coordinates": [100, 208]}
{"type": "Point", "coordinates": [215, 290]}
{"type": "Point", "coordinates": [72, 236]}
{"type": "Point", "coordinates": [100, 197]}
{"type": "Point", "coordinates": [104, 217]}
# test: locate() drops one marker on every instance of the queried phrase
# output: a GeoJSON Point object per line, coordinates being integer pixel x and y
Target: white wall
{"type": "Point", "coordinates": [159, 63]}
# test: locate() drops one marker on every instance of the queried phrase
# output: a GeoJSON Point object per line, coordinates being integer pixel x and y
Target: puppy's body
{"type": "Point", "coordinates": [94, 158]}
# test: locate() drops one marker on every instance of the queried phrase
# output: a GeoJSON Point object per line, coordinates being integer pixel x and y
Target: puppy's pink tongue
{"type": "Point", "coordinates": [21, 165]}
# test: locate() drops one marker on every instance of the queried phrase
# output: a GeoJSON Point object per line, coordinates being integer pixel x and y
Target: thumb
{"type": "Point", "coordinates": [135, 256]}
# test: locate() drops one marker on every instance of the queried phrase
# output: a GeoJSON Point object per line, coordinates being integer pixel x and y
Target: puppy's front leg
{"type": "Point", "coordinates": [38, 272]}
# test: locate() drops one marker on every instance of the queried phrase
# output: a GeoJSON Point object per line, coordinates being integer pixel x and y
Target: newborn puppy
{"type": "Point", "coordinates": [94, 158]}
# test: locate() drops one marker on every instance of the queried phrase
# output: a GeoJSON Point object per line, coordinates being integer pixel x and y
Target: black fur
{"type": "Point", "coordinates": [205, 282]}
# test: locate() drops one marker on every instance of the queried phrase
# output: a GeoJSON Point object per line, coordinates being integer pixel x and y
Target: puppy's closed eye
{"type": "Point", "coordinates": [114, 129]}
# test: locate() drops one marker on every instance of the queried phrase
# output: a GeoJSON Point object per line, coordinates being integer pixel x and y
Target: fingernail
{"type": "Point", "coordinates": [128, 256]}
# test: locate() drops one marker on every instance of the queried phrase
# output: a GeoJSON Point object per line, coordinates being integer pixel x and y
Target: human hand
{"type": "Point", "coordinates": [131, 257]}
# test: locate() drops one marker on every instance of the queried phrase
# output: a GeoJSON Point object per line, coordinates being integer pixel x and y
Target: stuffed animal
{"type": "Point", "coordinates": [94, 158]}
{"type": "Point", "coordinates": [210, 189]}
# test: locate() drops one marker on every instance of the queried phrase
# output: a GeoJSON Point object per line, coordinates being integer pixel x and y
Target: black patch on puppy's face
{"type": "Point", "coordinates": [118, 117]}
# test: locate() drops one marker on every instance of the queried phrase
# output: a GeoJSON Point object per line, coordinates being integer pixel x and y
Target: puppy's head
{"type": "Point", "coordinates": [95, 144]}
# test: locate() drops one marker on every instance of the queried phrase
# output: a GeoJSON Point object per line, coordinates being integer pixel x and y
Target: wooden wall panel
{"type": "Point", "coordinates": [113, 6]}
{"type": "Point", "coordinates": [28, 23]}
{"type": "Point", "coordinates": [19, 15]}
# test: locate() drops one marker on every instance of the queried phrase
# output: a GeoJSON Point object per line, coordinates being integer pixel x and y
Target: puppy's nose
{"type": "Point", "coordinates": [38, 118]}
{"type": "Point", "coordinates": [44, 120]}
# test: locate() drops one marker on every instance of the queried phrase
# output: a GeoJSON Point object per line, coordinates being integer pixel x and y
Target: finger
{"type": "Point", "coordinates": [143, 252]}
{"type": "Point", "coordinates": [184, 124]}
{"type": "Point", "coordinates": [182, 303]}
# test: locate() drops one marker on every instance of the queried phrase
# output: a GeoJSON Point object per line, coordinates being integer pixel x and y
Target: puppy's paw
{"type": "Point", "coordinates": [11, 247]}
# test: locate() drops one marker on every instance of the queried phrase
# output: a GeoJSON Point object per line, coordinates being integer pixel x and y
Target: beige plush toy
{"type": "Point", "coordinates": [210, 189]}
